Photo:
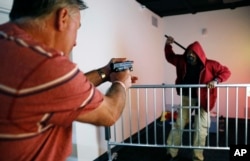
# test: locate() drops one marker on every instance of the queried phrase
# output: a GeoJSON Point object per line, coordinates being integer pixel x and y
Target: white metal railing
{"type": "Point", "coordinates": [140, 123]}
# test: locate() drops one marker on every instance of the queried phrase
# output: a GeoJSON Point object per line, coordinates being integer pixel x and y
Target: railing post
{"type": "Point", "coordinates": [107, 138]}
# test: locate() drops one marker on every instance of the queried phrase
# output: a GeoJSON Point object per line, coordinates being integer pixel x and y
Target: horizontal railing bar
{"type": "Point", "coordinates": [185, 85]}
{"type": "Point", "coordinates": [165, 146]}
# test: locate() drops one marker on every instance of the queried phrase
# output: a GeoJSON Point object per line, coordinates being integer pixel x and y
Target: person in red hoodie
{"type": "Point", "coordinates": [193, 67]}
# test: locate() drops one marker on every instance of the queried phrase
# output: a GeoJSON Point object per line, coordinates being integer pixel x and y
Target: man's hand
{"type": "Point", "coordinates": [105, 73]}
{"type": "Point", "coordinates": [170, 40]}
{"type": "Point", "coordinates": [212, 84]}
{"type": "Point", "coordinates": [124, 76]}
{"type": "Point", "coordinates": [107, 69]}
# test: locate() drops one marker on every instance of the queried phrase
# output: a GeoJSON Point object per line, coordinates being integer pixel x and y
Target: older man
{"type": "Point", "coordinates": [41, 91]}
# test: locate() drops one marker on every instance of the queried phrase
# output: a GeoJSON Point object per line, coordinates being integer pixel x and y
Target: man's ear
{"type": "Point", "coordinates": [61, 19]}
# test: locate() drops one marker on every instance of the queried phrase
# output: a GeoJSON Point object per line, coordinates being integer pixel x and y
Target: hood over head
{"type": "Point", "coordinates": [198, 50]}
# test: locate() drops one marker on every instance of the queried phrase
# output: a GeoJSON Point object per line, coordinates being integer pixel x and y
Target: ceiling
{"type": "Point", "coordinates": [165, 8]}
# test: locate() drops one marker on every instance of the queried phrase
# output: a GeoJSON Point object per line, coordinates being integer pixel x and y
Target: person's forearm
{"type": "Point", "coordinates": [110, 109]}
{"type": "Point", "coordinates": [116, 98]}
{"type": "Point", "coordinates": [95, 77]}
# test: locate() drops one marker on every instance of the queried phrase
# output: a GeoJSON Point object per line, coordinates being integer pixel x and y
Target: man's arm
{"type": "Point", "coordinates": [222, 73]}
{"type": "Point", "coordinates": [170, 56]}
{"type": "Point", "coordinates": [113, 104]}
{"type": "Point", "coordinates": [109, 110]}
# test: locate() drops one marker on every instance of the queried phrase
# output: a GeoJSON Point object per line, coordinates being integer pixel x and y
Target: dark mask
{"type": "Point", "coordinates": [190, 59]}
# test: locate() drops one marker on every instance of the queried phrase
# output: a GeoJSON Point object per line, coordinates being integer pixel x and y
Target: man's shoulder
{"type": "Point", "coordinates": [212, 62]}
{"type": "Point", "coordinates": [13, 38]}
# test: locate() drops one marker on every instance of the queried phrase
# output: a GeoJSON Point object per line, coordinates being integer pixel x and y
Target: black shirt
{"type": "Point", "coordinates": [192, 77]}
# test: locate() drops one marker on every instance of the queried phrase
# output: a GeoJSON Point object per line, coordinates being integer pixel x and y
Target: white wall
{"type": "Point", "coordinates": [118, 28]}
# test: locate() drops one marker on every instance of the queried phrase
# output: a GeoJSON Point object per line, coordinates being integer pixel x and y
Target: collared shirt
{"type": "Point", "coordinates": [41, 94]}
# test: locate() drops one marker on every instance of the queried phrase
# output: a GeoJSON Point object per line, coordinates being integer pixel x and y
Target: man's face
{"type": "Point", "coordinates": [191, 57]}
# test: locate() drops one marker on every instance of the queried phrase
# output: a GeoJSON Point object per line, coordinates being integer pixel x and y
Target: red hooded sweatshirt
{"type": "Point", "coordinates": [211, 70]}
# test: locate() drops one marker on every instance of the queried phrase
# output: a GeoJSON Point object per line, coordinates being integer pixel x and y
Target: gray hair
{"type": "Point", "coordinates": [38, 8]}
